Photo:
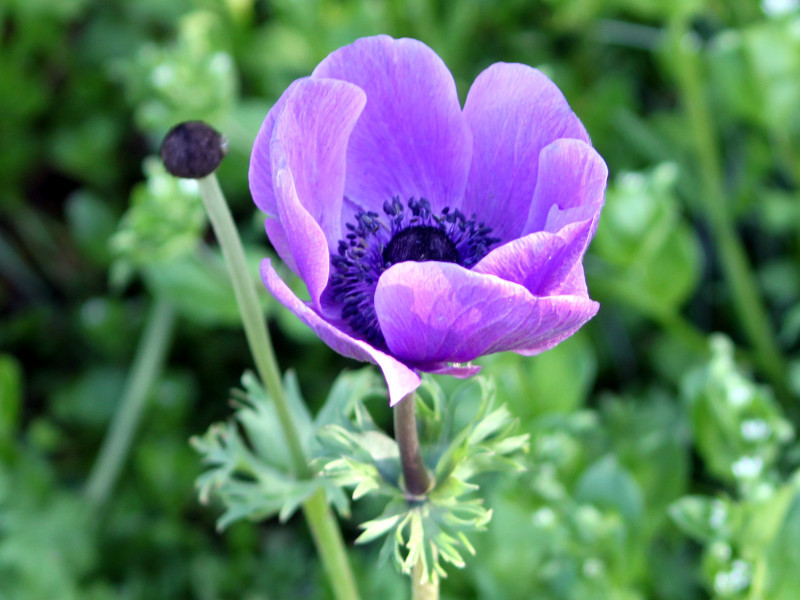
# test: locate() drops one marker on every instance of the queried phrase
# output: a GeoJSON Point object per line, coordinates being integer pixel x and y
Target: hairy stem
{"type": "Point", "coordinates": [324, 529]}
{"type": "Point", "coordinates": [147, 365]}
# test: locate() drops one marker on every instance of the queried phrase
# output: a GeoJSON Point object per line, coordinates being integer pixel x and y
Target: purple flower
{"type": "Point", "coordinates": [428, 235]}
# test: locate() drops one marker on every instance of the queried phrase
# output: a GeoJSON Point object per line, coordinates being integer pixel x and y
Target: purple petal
{"type": "Point", "coordinates": [514, 111]}
{"type": "Point", "coordinates": [542, 261]}
{"type": "Point", "coordinates": [441, 312]}
{"type": "Point", "coordinates": [400, 379]}
{"type": "Point", "coordinates": [458, 370]}
{"type": "Point", "coordinates": [308, 154]}
{"type": "Point", "coordinates": [570, 188]}
{"type": "Point", "coordinates": [303, 237]}
{"type": "Point", "coordinates": [412, 139]}
{"type": "Point", "coordinates": [279, 241]}
{"type": "Point", "coordinates": [574, 284]}
{"type": "Point", "coordinates": [260, 174]}
{"type": "Point", "coordinates": [310, 140]}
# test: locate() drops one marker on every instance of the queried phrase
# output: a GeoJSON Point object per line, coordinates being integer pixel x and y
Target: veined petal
{"type": "Point", "coordinates": [574, 284]}
{"type": "Point", "coordinates": [541, 261]}
{"type": "Point", "coordinates": [310, 140]}
{"type": "Point", "coordinates": [513, 111]}
{"type": "Point", "coordinates": [300, 234]}
{"type": "Point", "coordinates": [277, 237]}
{"type": "Point", "coordinates": [570, 187]}
{"type": "Point", "coordinates": [400, 379]}
{"type": "Point", "coordinates": [260, 173]}
{"type": "Point", "coordinates": [412, 139]}
{"type": "Point", "coordinates": [433, 311]}
{"type": "Point", "coordinates": [307, 151]}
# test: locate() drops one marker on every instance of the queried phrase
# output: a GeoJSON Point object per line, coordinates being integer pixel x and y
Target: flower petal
{"type": "Point", "coordinates": [571, 186]}
{"type": "Point", "coordinates": [574, 284]}
{"type": "Point", "coordinates": [541, 262]}
{"type": "Point", "coordinates": [513, 111]}
{"type": "Point", "coordinates": [307, 152]}
{"type": "Point", "coordinates": [303, 237]}
{"type": "Point", "coordinates": [412, 139]}
{"type": "Point", "coordinates": [260, 173]}
{"type": "Point", "coordinates": [457, 370]}
{"type": "Point", "coordinates": [400, 379]}
{"type": "Point", "coordinates": [432, 312]}
{"type": "Point", "coordinates": [277, 237]}
{"type": "Point", "coordinates": [310, 140]}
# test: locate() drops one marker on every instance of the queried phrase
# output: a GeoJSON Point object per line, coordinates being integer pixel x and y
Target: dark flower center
{"type": "Point", "coordinates": [420, 243]}
{"type": "Point", "coordinates": [374, 243]}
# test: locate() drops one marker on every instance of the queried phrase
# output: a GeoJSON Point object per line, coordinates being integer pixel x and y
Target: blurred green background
{"type": "Point", "coordinates": [663, 459]}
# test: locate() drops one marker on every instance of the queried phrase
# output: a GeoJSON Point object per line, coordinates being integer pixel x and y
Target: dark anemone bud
{"type": "Point", "coordinates": [193, 150]}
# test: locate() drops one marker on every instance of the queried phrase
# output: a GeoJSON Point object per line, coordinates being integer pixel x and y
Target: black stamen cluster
{"type": "Point", "coordinates": [372, 244]}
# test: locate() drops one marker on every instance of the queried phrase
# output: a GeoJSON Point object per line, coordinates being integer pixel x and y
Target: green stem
{"type": "Point", "coordinates": [146, 366]}
{"type": "Point", "coordinates": [422, 589]}
{"type": "Point", "coordinates": [330, 545]}
{"type": "Point", "coordinates": [759, 580]}
{"type": "Point", "coordinates": [735, 266]}
{"type": "Point", "coordinates": [255, 327]}
{"type": "Point", "coordinates": [325, 531]}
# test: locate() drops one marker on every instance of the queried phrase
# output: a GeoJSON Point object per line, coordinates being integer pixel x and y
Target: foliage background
{"type": "Point", "coordinates": [658, 467]}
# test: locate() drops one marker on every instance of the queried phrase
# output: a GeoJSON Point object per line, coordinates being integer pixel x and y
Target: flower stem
{"type": "Point", "coordinates": [422, 589]}
{"type": "Point", "coordinates": [146, 366]}
{"type": "Point", "coordinates": [417, 480]}
{"type": "Point", "coordinates": [417, 484]}
{"type": "Point", "coordinates": [735, 266]}
{"type": "Point", "coordinates": [255, 327]}
{"type": "Point", "coordinates": [325, 531]}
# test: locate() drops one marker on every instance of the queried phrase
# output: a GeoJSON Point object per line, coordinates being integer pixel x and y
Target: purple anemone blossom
{"type": "Point", "coordinates": [428, 235]}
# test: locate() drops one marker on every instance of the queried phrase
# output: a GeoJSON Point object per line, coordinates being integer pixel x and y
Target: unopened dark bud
{"type": "Point", "coordinates": [193, 149]}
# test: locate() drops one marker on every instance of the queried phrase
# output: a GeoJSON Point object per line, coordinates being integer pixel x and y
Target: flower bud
{"type": "Point", "coordinates": [193, 150]}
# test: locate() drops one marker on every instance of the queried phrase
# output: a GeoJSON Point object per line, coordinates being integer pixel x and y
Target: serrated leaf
{"type": "Point", "coordinates": [462, 433]}
{"type": "Point", "coordinates": [376, 528]}
{"type": "Point", "coordinates": [350, 387]}
{"type": "Point", "coordinates": [247, 461]}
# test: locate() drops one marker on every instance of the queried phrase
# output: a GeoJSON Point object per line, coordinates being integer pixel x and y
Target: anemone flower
{"type": "Point", "coordinates": [428, 235]}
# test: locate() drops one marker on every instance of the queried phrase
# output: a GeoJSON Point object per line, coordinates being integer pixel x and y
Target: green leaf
{"type": "Point", "coordinates": [739, 427]}
{"type": "Point", "coordinates": [199, 286]}
{"type": "Point", "coordinates": [165, 219]}
{"type": "Point", "coordinates": [651, 437]}
{"type": "Point", "coordinates": [91, 223]}
{"type": "Point", "coordinates": [349, 388]}
{"type": "Point", "coordinates": [247, 463]}
{"type": "Point", "coordinates": [704, 519]}
{"type": "Point", "coordinates": [558, 380]}
{"type": "Point", "coordinates": [762, 518]}
{"type": "Point", "coordinates": [462, 433]}
{"type": "Point", "coordinates": [783, 555]}
{"type": "Point", "coordinates": [608, 485]}
{"type": "Point", "coordinates": [192, 78]}
{"type": "Point", "coordinates": [644, 241]}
